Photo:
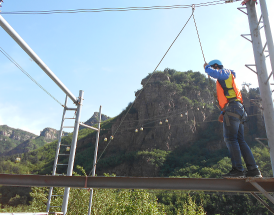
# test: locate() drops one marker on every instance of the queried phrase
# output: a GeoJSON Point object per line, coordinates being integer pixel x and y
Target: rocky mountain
{"type": "Point", "coordinates": [10, 138]}
{"type": "Point", "coordinates": [26, 141]}
{"type": "Point", "coordinates": [93, 121]}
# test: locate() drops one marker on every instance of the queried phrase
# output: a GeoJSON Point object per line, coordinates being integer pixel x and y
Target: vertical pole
{"type": "Point", "coordinates": [57, 152]}
{"type": "Point", "coordinates": [265, 90]}
{"type": "Point", "coordinates": [95, 159]}
{"type": "Point", "coordinates": [73, 150]}
{"type": "Point", "coordinates": [268, 34]}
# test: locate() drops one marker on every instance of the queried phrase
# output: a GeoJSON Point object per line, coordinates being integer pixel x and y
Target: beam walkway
{"type": "Point", "coordinates": [198, 184]}
{"type": "Point", "coordinates": [247, 185]}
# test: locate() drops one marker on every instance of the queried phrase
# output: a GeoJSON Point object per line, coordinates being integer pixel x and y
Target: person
{"type": "Point", "coordinates": [232, 116]}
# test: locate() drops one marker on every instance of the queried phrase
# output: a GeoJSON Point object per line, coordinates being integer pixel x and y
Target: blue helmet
{"type": "Point", "coordinates": [219, 63]}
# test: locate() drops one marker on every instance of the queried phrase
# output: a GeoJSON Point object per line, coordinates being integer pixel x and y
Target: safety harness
{"type": "Point", "coordinates": [227, 113]}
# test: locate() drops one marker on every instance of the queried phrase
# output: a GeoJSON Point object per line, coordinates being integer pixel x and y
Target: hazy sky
{"type": "Point", "coordinates": [108, 54]}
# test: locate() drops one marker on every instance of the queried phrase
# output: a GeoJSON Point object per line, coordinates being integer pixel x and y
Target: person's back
{"type": "Point", "coordinates": [232, 116]}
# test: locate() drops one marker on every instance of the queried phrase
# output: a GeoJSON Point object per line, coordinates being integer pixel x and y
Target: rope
{"type": "Point", "coordinates": [209, 80]}
{"type": "Point", "coordinates": [198, 35]}
{"type": "Point", "coordinates": [143, 88]}
{"type": "Point", "coordinates": [19, 67]}
{"type": "Point", "coordinates": [212, 3]}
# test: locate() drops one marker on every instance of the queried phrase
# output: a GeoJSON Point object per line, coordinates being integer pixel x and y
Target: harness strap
{"type": "Point", "coordinates": [231, 114]}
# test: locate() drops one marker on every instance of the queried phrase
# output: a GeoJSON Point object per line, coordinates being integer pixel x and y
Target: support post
{"type": "Point", "coordinates": [73, 150]}
{"type": "Point", "coordinates": [95, 159]}
{"type": "Point", "coordinates": [268, 34]}
{"type": "Point", "coordinates": [265, 90]}
{"type": "Point", "coordinates": [57, 152]}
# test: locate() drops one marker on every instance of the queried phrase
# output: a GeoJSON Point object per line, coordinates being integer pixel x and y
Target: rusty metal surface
{"type": "Point", "coordinates": [199, 184]}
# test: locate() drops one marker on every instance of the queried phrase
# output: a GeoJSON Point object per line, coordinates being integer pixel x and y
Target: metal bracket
{"type": "Point", "coordinates": [258, 140]}
{"type": "Point", "coordinates": [268, 77]}
{"type": "Point", "coordinates": [260, 21]}
{"type": "Point", "coordinates": [249, 65]}
{"type": "Point", "coordinates": [267, 52]}
{"type": "Point", "coordinates": [262, 190]}
{"type": "Point", "coordinates": [264, 47]}
{"type": "Point", "coordinates": [263, 202]}
{"type": "Point", "coordinates": [87, 126]}
{"type": "Point", "coordinates": [240, 9]}
{"type": "Point", "coordinates": [261, 27]}
{"type": "Point", "coordinates": [244, 36]}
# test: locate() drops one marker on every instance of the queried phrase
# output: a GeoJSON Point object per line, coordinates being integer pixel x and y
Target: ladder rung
{"type": "Point", "coordinates": [55, 206]}
{"type": "Point", "coordinates": [62, 164]}
{"type": "Point", "coordinates": [70, 118]}
{"type": "Point", "coordinates": [68, 127]}
{"type": "Point", "coordinates": [71, 108]}
{"type": "Point", "coordinates": [63, 154]}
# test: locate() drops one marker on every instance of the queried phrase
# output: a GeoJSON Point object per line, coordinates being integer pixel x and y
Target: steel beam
{"type": "Point", "coordinates": [5, 25]}
{"type": "Point", "coordinates": [198, 184]}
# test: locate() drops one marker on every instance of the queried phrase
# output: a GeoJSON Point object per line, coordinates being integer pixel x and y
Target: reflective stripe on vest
{"type": "Point", "coordinates": [227, 90]}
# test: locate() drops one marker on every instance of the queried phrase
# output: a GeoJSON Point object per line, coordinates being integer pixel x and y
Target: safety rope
{"type": "Point", "coordinates": [209, 79]}
{"type": "Point", "coordinates": [142, 90]}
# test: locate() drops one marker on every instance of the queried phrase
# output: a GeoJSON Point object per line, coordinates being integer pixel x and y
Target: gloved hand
{"type": "Point", "coordinates": [221, 118]}
{"type": "Point", "coordinates": [205, 65]}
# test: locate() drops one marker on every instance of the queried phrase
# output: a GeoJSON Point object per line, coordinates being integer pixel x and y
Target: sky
{"type": "Point", "coordinates": [108, 54]}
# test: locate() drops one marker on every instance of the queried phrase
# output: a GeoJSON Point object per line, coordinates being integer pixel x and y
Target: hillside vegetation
{"type": "Point", "coordinates": [188, 143]}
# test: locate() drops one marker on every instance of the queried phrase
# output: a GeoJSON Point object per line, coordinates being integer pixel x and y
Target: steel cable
{"type": "Point", "coordinates": [121, 9]}
{"type": "Point", "coordinates": [143, 88]}
{"type": "Point", "coordinates": [27, 74]}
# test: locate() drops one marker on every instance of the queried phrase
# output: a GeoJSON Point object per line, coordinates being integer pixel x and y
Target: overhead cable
{"type": "Point", "coordinates": [144, 87]}
{"type": "Point", "coordinates": [27, 74]}
{"type": "Point", "coordinates": [119, 9]}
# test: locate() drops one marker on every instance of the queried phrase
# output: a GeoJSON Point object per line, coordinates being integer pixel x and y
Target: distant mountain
{"type": "Point", "coordinates": [17, 141]}
{"type": "Point", "coordinates": [11, 138]}
{"type": "Point", "coordinates": [93, 121]}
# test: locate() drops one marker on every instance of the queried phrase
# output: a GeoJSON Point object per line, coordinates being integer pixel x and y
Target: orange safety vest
{"type": "Point", "coordinates": [232, 91]}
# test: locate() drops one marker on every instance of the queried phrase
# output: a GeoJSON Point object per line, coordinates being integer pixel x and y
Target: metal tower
{"type": "Point", "coordinates": [260, 63]}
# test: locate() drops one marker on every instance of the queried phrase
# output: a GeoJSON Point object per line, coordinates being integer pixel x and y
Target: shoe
{"type": "Point", "coordinates": [234, 173]}
{"type": "Point", "coordinates": [256, 173]}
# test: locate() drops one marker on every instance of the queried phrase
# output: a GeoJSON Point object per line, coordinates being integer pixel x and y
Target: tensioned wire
{"type": "Point", "coordinates": [121, 9]}
{"type": "Point", "coordinates": [209, 80]}
{"type": "Point", "coordinates": [172, 125]}
{"type": "Point", "coordinates": [27, 74]}
{"type": "Point", "coordinates": [142, 89]}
